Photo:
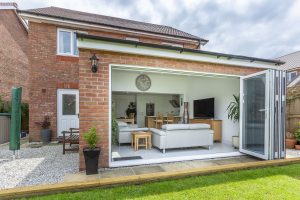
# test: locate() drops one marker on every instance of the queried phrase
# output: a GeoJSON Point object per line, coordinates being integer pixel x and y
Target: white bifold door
{"type": "Point", "coordinates": [262, 114]}
{"type": "Point", "coordinates": [67, 110]}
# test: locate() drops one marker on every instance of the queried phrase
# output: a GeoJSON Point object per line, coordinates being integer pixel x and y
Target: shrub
{"type": "Point", "coordinates": [45, 124]}
{"type": "Point", "coordinates": [114, 131]}
{"type": "Point", "coordinates": [297, 134]}
{"type": "Point", "coordinates": [91, 138]}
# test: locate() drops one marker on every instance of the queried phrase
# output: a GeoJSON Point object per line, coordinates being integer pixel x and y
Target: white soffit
{"type": "Point", "coordinates": [159, 70]}
{"type": "Point", "coordinates": [167, 53]}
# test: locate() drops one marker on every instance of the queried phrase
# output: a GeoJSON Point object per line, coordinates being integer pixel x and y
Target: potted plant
{"type": "Point", "coordinates": [290, 140]}
{"type": "Point", "coordinates": [91, 152]}
{"type": "Point", "coordinates": [297, 135]}
{"type": "Point", "coordinates": [234, 114]}
{"type": "Point", "coordinates": [46, 131]}
{"type": "Point", "coordinates": [131, 109]}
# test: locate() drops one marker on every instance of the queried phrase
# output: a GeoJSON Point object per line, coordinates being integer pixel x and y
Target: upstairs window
{"type": "Point", "coordinates": [66, 42]}
{"type": "Point", "coordinates": [291, 76]}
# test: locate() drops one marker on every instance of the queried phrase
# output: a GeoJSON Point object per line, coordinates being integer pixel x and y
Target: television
{"type": "Point", "coordinates": [204, 108]}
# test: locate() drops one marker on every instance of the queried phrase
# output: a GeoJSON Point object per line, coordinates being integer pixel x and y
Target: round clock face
{"type": "Point", "coordinates": [143, 82]}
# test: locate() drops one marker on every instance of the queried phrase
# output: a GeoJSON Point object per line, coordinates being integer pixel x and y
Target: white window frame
{"type": "Point", "coordinates": [290, 75]}
{"type": "Point", "coordinates": [72, 42]}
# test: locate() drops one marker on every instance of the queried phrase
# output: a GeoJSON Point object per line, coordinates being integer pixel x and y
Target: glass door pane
{"type": "Point", "coordinates": [254, 132]}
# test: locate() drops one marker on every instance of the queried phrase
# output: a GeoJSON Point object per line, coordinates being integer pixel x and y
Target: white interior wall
{"type": "Point", "coordinates": [161, 104]}
{"type": "Point", "coordinates": [222, 89]}
{"type": "Point", "coordinates": [191, 87]}
{"type": "Point", "coordinates": [121, 102]}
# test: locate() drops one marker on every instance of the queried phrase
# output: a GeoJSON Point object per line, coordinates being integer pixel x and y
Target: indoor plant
{"type": "Point", "coordinates": [234, 114]}
{"type": "Point", "coordinates": [114, 131]}
{"type": "Point", "coordinates": [131, 109]}
{"type": "Point", "coordinates": [91, 152]}
{"type": "Point", "coordinates": [297, 135]}
{"type": "Point", "coordinates": [46, 131]}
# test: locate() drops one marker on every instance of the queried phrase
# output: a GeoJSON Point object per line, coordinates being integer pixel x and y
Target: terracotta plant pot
{"type": "Point", "coordinates": [290, 143]}
{"type": "Point", "coordinates": [297, 146]}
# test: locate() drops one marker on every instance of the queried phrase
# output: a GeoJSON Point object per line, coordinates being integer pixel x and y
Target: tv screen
{"type": "Point", "coordinates": [204, 108]}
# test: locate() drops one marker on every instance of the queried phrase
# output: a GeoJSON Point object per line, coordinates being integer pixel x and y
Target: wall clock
{"type": "Point", "coordinates": [143, 82]}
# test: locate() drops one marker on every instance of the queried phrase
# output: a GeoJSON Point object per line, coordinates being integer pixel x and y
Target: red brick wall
{"type": "Point", "coordinates": [48, 72]}
{"type": "Point", "coordinates": [94, 89]}
{"type": "Point", "coordinates": [13, 58]}
{"type": "Point", "coordinates": [47, 69]}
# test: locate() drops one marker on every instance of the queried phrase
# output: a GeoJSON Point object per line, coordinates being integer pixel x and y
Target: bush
{"type": "Point", "coordinates": [91, 138]}
{"type": "Point", "coordinates": [297, 134]}
{"type": "Point", "coordinates": [5, 107]}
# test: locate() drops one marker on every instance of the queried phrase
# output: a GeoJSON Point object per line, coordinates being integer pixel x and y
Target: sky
{"type": "Point", "coordinates": [259, 28]}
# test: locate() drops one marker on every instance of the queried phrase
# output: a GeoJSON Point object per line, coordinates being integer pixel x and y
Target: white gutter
{"type": "Point", "coordinates": [66, 22]}
{"type": "Point", "coordinates": [96, 44]}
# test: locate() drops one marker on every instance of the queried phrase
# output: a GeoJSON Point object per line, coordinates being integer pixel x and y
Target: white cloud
{"type": "Point", "coordinates": [262, 28]}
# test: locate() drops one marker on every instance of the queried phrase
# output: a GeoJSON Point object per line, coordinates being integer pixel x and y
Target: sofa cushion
{"type": "Point", "coordinates": [170, 127]}
{"type": "Point", "coordinates": [122, 124]}
{"type": "Point", "coordinates": [199, 126]}
{"type": "Point", "coordinates": [127, 129]}
{"type": "Point", "coordinates": [157, 131]}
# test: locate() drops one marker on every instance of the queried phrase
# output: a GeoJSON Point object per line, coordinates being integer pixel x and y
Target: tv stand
{"type": "Point", "coordinates": [215, 124]}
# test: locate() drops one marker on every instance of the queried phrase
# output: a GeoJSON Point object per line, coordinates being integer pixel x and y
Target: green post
{"type": "Point", "coordinates": [15, 125]}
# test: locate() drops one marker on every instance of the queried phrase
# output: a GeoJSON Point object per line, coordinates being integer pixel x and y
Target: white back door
{"type": "Point", "coordinates": [262, 118]}
{"type": "Point", "coordinates": [67, 110]}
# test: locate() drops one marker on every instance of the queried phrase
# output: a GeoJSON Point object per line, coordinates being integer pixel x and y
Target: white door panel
{"type": "Point", "coordinates": [262, 118]}
{"type": "Point", "coordinates": [67, 110]}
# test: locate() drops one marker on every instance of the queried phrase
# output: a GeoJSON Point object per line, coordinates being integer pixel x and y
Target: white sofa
{"type": "Point", "coordinates": [125, 130]}
{"type": "Point", "coordinates": [182, 135]}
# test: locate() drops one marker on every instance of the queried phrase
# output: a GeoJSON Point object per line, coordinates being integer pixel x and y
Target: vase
{"type": "Point", "coordinates": [186, 116]}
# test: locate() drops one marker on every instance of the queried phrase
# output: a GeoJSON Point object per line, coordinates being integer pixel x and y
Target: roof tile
{"type": "Point", "coordinates": [110, 21]}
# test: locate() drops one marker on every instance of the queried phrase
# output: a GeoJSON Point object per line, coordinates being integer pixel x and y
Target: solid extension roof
{"type": "Point", "coordinates": [291, 60]}
{"type": "Point", "coordinates": [62, 13]}
{"type": "Point", "coordinates": [180, 49]}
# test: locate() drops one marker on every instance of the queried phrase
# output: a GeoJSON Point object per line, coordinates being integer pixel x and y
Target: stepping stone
{"type": "Point", "coordinates": [116, 173]}
{"type": "Point", "coordinates": [177, 166]}
{"type": "Point", "coordinates": [147, 170]}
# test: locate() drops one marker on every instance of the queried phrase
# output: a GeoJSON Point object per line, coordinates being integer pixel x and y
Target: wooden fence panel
{"type": "Point", "coordinates": [293, 109]}
{"type": "Point", "coordinates": [4, 129]}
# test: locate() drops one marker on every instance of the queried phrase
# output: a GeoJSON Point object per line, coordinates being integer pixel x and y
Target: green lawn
{"type": "Point", "coordinates": [268, 183]}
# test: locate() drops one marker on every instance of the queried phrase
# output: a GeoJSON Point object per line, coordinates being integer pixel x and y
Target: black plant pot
{"type": "Point", "coordinates": [91, 158]}
{"type": "Point", "coordinates": [46, 135]}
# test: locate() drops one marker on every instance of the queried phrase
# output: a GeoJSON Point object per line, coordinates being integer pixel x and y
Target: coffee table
{"type": "Point", "coordinates": [141, 135]}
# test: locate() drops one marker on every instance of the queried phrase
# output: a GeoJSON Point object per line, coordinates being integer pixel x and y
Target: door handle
{"type": "Point", "coordinates": [78, 115]}
{"type": "Point", "coordinates": [262, 110]}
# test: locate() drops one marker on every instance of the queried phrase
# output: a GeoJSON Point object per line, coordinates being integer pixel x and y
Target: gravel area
{"type": "Point", "coordinates": [44, 165]}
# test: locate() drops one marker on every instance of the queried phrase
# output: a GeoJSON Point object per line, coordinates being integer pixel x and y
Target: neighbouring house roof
{"type": "Point", "coordinates": [291, 60]}
{"type": "Point", "coordinates": [111, 22]}
{"type": "Point", "coordinates": [183, 50]}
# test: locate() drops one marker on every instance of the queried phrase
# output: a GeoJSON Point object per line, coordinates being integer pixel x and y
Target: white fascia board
{"type": "Point", "coordinates": [7, 8]}
{"type": "Point", "coordinates": [66, 22]}
{"type": "Point", "coordinates": [166, 53]}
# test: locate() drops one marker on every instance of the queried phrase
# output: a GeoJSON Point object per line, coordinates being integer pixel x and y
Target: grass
{"type": "Point", "coordinates": [282, 182]}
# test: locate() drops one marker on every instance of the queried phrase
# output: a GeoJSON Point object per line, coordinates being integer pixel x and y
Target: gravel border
{"type": "Point", "coordinates": [44, 165]}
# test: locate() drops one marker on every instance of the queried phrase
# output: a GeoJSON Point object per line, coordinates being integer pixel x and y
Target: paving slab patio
{"type": "Point", "coordinates": [150, 169]}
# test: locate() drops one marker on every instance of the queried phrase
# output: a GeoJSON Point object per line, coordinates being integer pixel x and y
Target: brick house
{"type": "Point", "coordinates": [63, 86]}
{"type": "Point", "coordinates": [292, 66]}
{"type": "Point", "coordinates": [13, 55]}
